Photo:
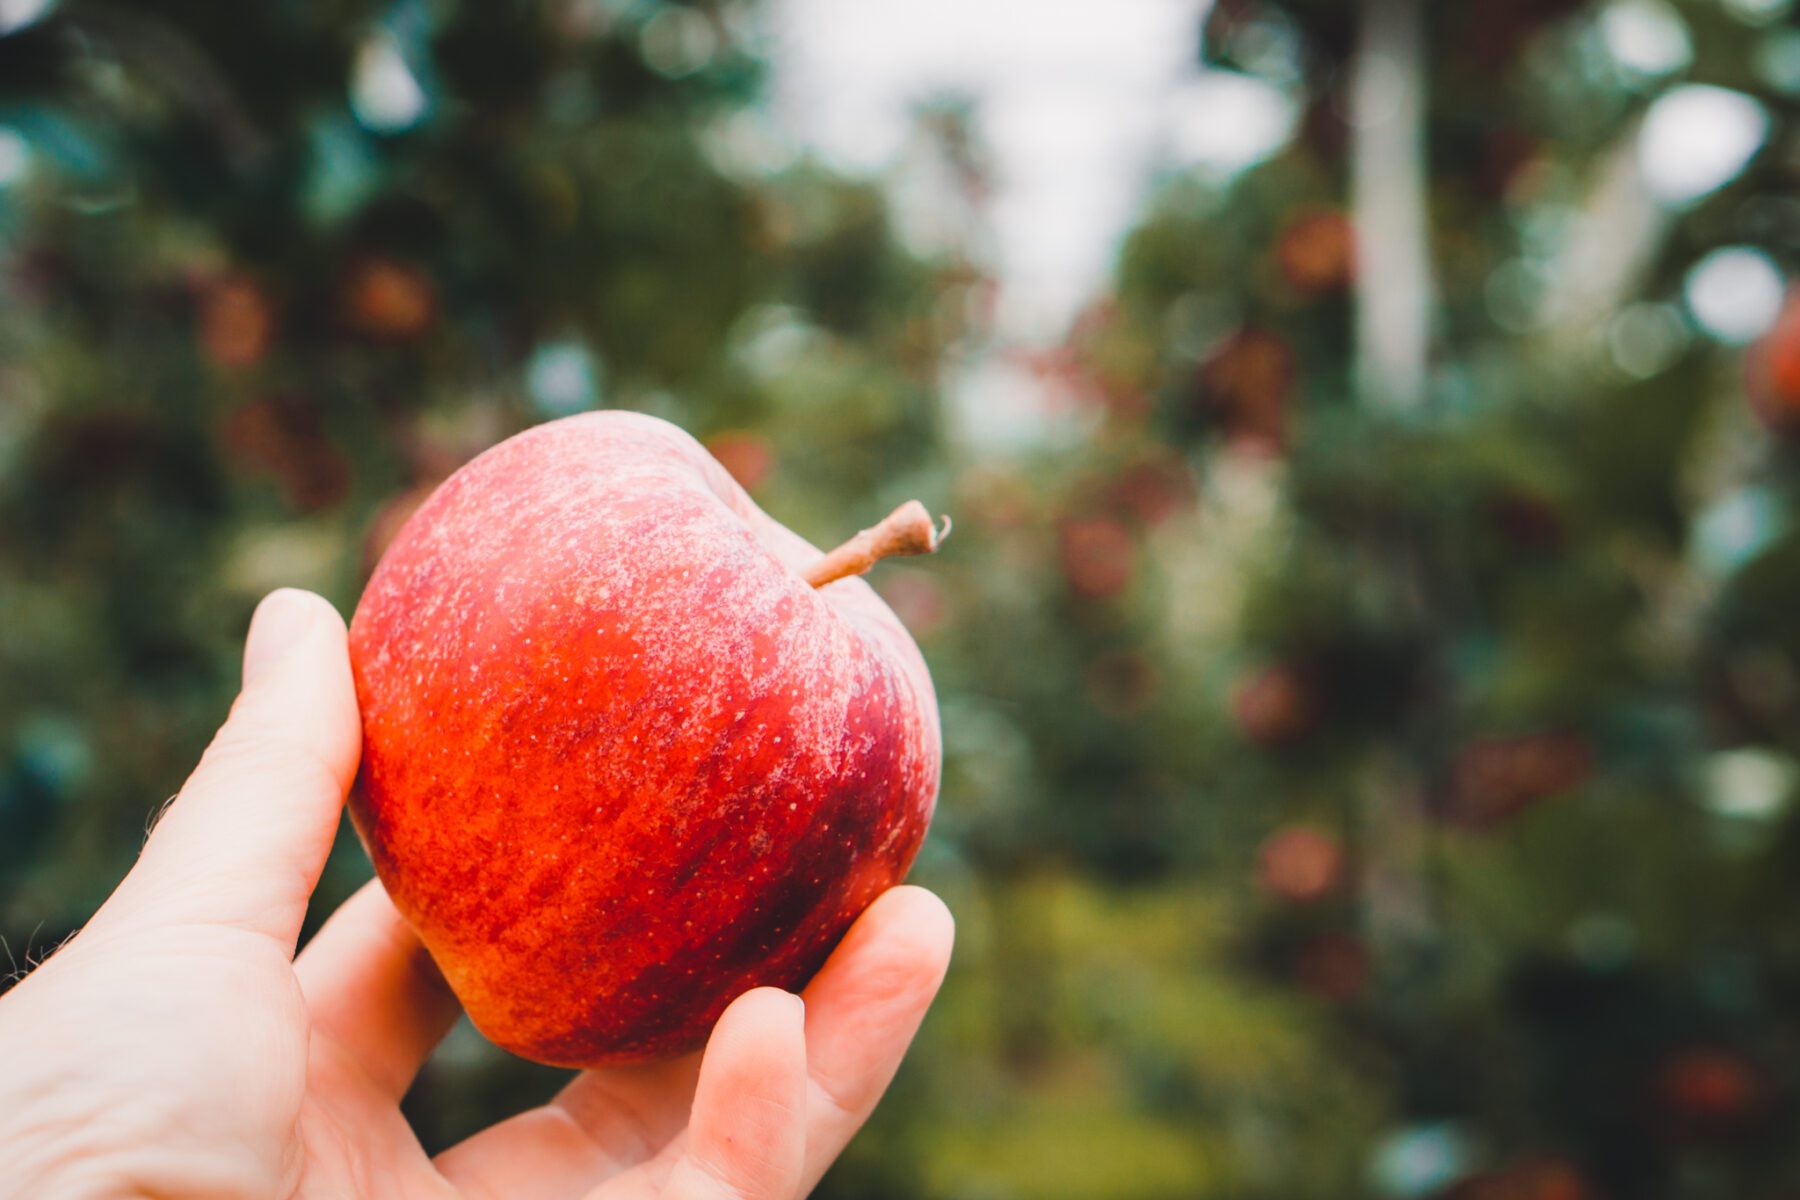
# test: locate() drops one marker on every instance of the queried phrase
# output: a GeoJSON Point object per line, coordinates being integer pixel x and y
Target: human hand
{"type": "Point", "coordinates": [176, 1047]}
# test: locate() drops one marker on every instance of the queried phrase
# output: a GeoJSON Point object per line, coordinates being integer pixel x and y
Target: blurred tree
{"type": "Point", "coordinates": [1371, 740]}
{"type": "Point", "coordinates": [1481, 620]}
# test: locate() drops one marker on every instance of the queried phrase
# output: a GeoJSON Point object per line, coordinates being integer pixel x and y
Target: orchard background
{"type": "Point", "coordinates": [1371, 691]}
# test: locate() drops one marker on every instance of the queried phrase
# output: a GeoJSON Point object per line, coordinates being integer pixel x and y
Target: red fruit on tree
{"type": "Point", "coordinates": [1277, 706]}
{"type": "Point", "coordinates": [1551, 1179]}
{"type": "Point", "coordinates": [628, 749]}
{"type": "Point", "coordinates": [1773, 372]}
{"type": "Point", "coordinates": [284, 436]}
{"type": "Point", "coordinates": [1709, 1090]}
{"type": "Point", "coordinates": [237, 322]}
{"type": "Point", "coordinates": [1317, 252]}
{"type": "Point", "coordinates": [1152, 490]}
{"type": "Point", "coordinates": [1247, 383]}
{"type": "Point", "coordinates": [1300, 863]}
{"type": "Point", "coordinates": [1493, 778]}
{"type": "Point", "coordinates": [389, 301]}
{"type": "Point", "coordinates": [1098, 556]}
{"type": "Point", "coordinates": [1533, 1179]}
{"type": "Point", "coordinates": [747, 456]}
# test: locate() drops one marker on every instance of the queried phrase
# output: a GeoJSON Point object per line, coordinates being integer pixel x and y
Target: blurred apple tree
{"type": "Point", "coordinates": [1371, 700]}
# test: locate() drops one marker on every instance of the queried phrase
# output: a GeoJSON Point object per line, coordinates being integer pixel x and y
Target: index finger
{"type": "Point", "coordinates": [862, 1010]}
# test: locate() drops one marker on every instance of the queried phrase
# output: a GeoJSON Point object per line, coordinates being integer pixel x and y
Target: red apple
{"type": "Point", "coordinates": [1772, 369]}
{"type": "Point", "coordinates": [1277, 706]}
{"type": "Point", "coordinates": [1300, 863]}
{"type": "Point", "coordinates": [1317, 252]}
{"type": "Point", "coordinates": [748, 457]}
{"type": "Point", "coordinates": [1494, 778]}
{"type": "Point", "coordinates": [1707, 1090]}
{"type": "Point", "coordinates": [1247, 384]}
{"type": "Point", "coordinates": [1098, 555]}
{"type": "Point", "coordinates": [389, 301]}
{"type": "Point", "coordinates": [1546, 1178]}
{"type": "Point", "coordinates": [621, 760]}
{"type": "Point", "coordinates": [237, 322]}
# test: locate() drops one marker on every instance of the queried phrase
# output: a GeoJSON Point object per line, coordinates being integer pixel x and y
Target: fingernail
{"type": "Point", "coordinates": [799, 1004]}
{"type": "Point", "coordinates": [280, 624]}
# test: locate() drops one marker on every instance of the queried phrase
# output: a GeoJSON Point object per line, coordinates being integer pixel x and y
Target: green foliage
{"type": "Point", "coordinates": [1338, 801]}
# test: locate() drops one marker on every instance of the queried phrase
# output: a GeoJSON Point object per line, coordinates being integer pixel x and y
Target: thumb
{"type": "Point", "coordinates": [243, 843]}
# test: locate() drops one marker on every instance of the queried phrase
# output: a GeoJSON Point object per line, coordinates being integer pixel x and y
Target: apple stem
{"type": "Point", "coordinates": [906, 530]}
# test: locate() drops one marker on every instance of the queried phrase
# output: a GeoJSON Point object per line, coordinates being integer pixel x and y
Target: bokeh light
{"type": "Point", "coordinates": [1735, 293]}
{"type": "Point", "coordinates": [1697, 138]}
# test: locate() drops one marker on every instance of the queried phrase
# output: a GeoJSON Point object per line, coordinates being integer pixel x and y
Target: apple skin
{"type": "Point", "coordinates": [620, 762]}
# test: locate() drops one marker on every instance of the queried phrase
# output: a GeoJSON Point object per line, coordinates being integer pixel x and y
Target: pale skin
{"type": "Point", "coordinates": [177, 1047]}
